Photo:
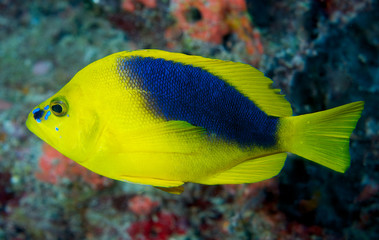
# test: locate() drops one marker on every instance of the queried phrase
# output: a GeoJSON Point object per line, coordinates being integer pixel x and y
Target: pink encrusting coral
{"type": "Point", "coordinates": [213, 20]}
{"type": "Point", "coordinates": [54, 167]}
{"type": "Point", "coordinates": [252, 190]}
{"type": "Point", "coordinates": [130, 5]}
{"type": "Point", "coordinates": [141, 205]}
{"type": "Point", "coordinates": [4, 105]}
{"type": "Point", "coordinates": [210, 26]}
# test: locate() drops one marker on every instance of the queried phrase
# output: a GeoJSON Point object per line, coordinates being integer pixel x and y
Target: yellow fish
{"type": "Point", "coordinates": [162, 119]}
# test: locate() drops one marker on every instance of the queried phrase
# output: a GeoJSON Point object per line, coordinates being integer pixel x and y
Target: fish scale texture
{"type": "Point", "coordinates": [176, 91]}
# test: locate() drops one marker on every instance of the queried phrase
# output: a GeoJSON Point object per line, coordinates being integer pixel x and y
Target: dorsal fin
{"type": "Point", "coordinates": [245, 78]}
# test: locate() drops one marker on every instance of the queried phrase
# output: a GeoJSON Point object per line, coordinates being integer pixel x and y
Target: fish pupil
{"type": "Point", "coordinates": [57, 108]}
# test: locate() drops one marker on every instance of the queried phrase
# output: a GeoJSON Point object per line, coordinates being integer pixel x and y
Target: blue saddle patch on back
{"type": "Point", "coordinates": [176, 91]}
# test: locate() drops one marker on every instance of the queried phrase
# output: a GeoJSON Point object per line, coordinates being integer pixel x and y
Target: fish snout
{"type": "Point", "coordinates": [38, 114]}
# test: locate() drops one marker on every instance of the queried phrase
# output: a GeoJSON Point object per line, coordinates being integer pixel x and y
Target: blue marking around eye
{"type": "Point", "coordinates": [68, 115]}
{"type": "Point", "coordinates": [56, 128]}
{"type": "Point", "coordinates": [38, 120]}
{"type": "Point", "coordinates": [176, 91]}
{"type": "Point", "coordinates": [47, 115]}
{"type": "Point", "coordinates": [36, 110]}
{"type": "Point", "coordinates": [47, 107]}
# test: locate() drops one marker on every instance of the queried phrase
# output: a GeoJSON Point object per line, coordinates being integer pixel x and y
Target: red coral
{"type": "Point", "coordinates": [342, 11]}
{"type": "Point", "coordinates": [54, 166]}
{"type": "Point", "coordinates": [369, 191]}
{"type": "Point", "coordinates": [217, 19]}
{"type": "Point", "coordinates": [159, 227]}
{"type": "Point", "coordinates": [141, 205]}
{"type": "Point", "coordinates": [7, 196]}
{"type": "Point", "coordinates": [297, 230]}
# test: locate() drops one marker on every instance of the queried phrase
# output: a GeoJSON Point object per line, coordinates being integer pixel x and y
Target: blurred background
{"type": "Point", "coordinates": [321, 53]}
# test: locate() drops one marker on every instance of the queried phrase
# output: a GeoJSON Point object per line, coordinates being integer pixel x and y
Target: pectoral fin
{"type": "Point", "coordinates": [249, 171]}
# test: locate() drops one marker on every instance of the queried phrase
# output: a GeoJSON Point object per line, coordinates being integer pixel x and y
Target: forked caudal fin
{"type": "Point", "coordinates": [322, 137]}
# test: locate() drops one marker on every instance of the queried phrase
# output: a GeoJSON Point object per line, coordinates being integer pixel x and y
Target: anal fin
{"type": "Point", "coordinates": [173, 190]}
{"type": "Point", "coordinates": [249, 171]}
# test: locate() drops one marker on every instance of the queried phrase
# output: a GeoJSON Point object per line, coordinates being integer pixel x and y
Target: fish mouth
{"type": "Point", "coordinates": [36, 126]}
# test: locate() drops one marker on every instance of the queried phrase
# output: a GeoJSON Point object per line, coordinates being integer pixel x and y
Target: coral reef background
{"type": "Point", "coordinates": [321, 53]}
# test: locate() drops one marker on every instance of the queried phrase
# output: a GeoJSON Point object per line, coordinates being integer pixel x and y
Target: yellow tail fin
{"type": "Point", "coordinates": [322, 137]}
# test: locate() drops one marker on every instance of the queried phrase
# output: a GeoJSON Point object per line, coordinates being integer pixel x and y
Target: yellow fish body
{"type": "Point", "coordinates": [163, 119]}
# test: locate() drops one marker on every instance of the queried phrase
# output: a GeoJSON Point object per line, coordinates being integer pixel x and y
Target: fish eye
{"type": "Point", "coordinates": [58, 107]}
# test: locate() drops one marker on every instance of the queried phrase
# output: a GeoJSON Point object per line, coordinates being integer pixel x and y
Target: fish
{"type": "Point", "coordinates": [163, 119]}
